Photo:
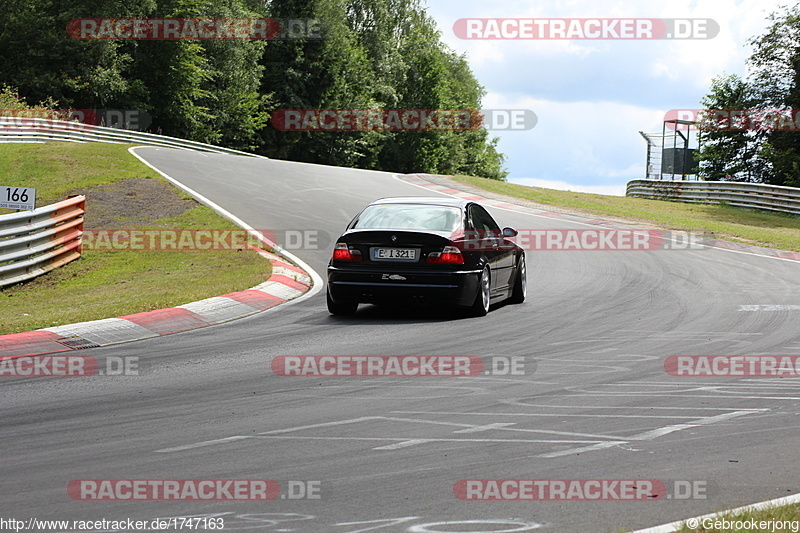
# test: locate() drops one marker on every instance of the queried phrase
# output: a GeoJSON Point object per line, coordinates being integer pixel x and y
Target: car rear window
{"type": "Point", "coordinates": [409, 217]}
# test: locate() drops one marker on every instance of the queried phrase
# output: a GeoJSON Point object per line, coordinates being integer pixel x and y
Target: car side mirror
{"type": "Point", "coordinates": [510, 232]}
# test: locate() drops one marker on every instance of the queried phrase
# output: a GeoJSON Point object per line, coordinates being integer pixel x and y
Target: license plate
{"type": "Point", "coordinates": [394, 254]}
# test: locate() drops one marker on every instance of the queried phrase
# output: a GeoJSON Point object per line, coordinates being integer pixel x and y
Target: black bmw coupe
{"type": "Point", "coordinates": [425, 250]}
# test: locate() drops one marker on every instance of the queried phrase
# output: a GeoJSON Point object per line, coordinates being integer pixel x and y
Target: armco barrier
{"type": "Point", "coordinates": [19, 129]}
{"type": "Point", "coordinates": [35, 242]}
{"type": "Point", "coordinates": [739, 194]}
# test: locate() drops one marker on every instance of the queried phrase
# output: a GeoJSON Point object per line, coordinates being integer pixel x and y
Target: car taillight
{"type": "Point", "coordinates": [342, 253]}
{"type": "Point", "coordinates": [450, 255]}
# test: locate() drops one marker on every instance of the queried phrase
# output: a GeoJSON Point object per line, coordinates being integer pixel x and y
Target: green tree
{"type": "Point", "coordinates": [327, 73]}
{"type": "Point", "coordinates": [38, 57]}
{"type": "Point", "coordinates": [776, 80]}
{"type": "Point", "coordinates": [729, 148]}
{"type": "Point", "coordinates": [413, 69]}
{"type": "Point", "coordinates": [203, 90]}
{"type": "Point", "coordinates": [374, 54]}
{"type": "Point", "coordinates": [383, 54]}
{"type": "Point", "coordinates": [236, 110]}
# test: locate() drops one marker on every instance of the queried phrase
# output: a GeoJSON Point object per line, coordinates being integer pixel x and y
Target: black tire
{"type": "Point", "coordinates": [520, 289]}
{"type": "Point", "coordinates": [341, 308]}
{"type": "Point", "coordinates": [481, 305]}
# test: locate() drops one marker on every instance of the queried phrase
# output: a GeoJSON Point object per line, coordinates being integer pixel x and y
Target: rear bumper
{"type": "Point", "coordinates": [396, 286]}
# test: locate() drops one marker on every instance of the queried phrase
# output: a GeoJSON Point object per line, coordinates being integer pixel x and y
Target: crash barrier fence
{"type": "Point", "coordinates": [33, 130]}
{"type": "Point", "coordinates": [774, 198]}
{"type": "Point", "coordinates": [35, 242]}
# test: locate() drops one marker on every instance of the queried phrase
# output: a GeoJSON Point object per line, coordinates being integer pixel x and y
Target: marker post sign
{"type": "Point", "coordinates": [21, 198]}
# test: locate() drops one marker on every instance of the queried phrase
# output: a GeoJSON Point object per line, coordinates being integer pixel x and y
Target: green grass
{"type": "Point", "coordinates": [104, 284]}
{"type": "Point", "coordinates": [721, 221]}
{"type": "Point", "coordinates": [54, 169]}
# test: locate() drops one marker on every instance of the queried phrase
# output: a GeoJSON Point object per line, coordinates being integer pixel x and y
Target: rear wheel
{"type": "Point", "coordinates": [520, 289]}
{"type": "Point", "coordinates": [341, 308]}
{"type": "Point", "coordinates": [481, 305]}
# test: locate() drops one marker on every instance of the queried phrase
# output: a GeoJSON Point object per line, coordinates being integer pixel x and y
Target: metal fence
{"type": "Point", "coordinates": [20, 129]}
{"type": "Point", "coordinates": [35, 242]}
{"type": "Point", "coordinates": [753, 195]}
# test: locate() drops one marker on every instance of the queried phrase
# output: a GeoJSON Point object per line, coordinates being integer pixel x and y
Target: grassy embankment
{"type": "Point", "coordinates": [772, 230]}
{"type": "Point", "coordinates": [104, 284]}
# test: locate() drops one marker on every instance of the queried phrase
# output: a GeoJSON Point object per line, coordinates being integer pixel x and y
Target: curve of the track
{"type": "Point", "coordinates": [594, 402]}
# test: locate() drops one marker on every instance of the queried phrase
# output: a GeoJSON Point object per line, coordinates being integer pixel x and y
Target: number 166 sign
{"type": "Point", "coordinates": [17, 198]}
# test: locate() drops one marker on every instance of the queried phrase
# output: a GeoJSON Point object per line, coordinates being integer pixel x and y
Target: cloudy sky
{"type": "Point", "coordinates": [592, 97]}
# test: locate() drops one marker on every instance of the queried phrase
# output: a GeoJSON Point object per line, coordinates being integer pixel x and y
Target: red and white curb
{"type": "Point", "coordinates": [287, 282]}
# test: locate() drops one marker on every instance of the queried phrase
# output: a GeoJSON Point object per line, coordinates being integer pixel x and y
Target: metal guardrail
{"type": "Point", "coordinates": [35, 242]}
{"type": "Point", "coordinates": [774, 198]}
{"type": "Point", "coordinates": [23, 129]}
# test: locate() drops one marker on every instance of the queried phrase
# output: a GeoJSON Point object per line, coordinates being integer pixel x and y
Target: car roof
{"type": "Point", "coordinates": [424, 200]}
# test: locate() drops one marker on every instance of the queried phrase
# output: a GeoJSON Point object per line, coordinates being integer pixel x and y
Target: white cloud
{"type": "Point", "coordinates": [595, 141]}
{"type": "Point", "coordinates": [611, 190]}
{"type": "Point", "coordinates": [592, 97]}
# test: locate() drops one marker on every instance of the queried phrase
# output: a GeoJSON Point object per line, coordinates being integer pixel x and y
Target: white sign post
{"type": "Point", "coordinates": [21, 198]}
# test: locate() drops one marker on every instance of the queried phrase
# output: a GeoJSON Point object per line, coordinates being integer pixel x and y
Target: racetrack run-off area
{"type": "Point", "coordinates": [591, 399]}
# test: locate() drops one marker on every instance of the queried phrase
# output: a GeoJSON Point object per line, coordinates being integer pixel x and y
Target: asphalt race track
{"type": "Point", "coordinates": [384, 454]}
